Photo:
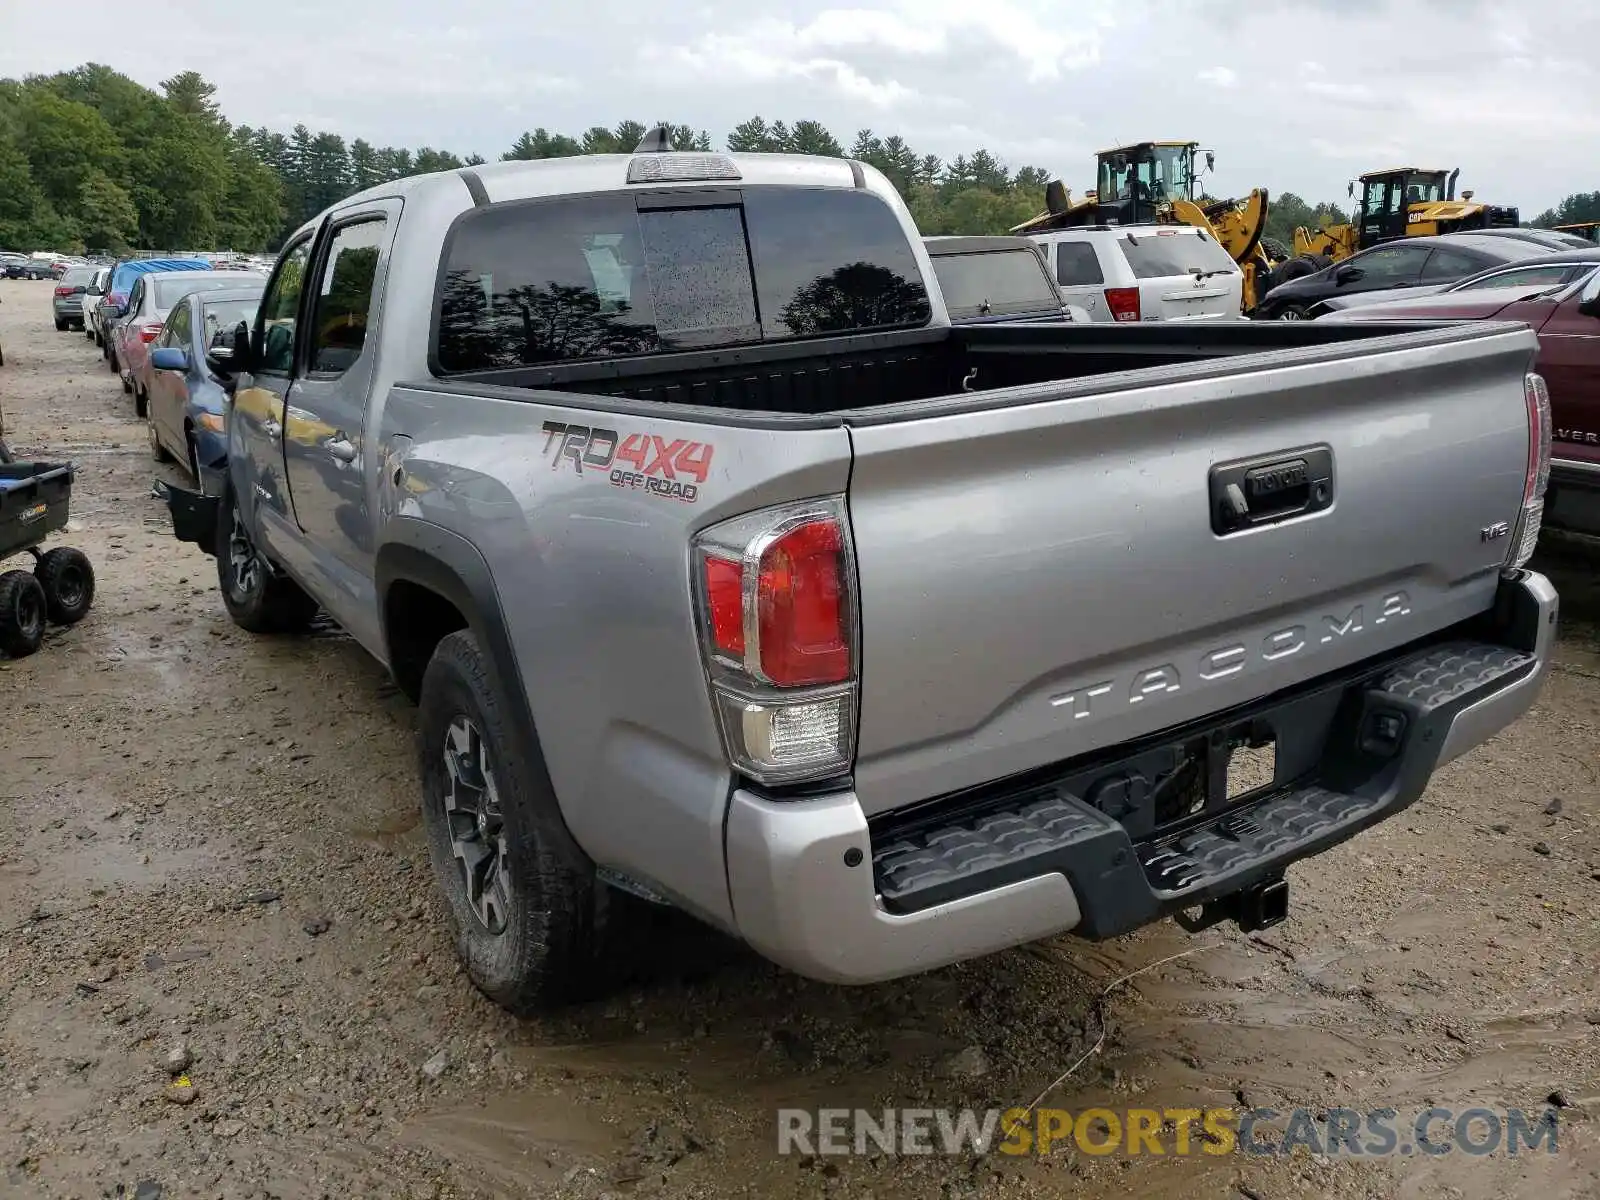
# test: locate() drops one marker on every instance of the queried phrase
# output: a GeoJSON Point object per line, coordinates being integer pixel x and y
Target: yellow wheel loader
{"type": "Point", "coordinates": [1398, 203]}
{"type": "Point", "coordinates": [1155, 182]}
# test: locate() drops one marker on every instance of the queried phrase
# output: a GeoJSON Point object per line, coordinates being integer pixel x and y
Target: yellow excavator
{"type": "Point", "coordinates": [1156, 182]}
{"type": "Point", "coordinates": [1588, 230]}
{"type": "Point", "coordinates": [1400, 202]}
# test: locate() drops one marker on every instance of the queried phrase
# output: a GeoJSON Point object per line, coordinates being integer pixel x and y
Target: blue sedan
{"type": "Point", "coordinates": [189, 366]}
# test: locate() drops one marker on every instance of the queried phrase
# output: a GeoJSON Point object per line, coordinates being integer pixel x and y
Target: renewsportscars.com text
{"type": "Point", "coordinates": [1334, 1132]}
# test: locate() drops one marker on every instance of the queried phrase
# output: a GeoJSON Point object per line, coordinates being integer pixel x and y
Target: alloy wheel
{"type": "Point", "coordinates": [477, 827]}
{"type": "Point", "coordinates": [242, 558]}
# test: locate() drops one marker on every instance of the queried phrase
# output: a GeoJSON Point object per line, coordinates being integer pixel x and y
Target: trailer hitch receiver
{"type": "Point", "coordinates": [1259, 906]}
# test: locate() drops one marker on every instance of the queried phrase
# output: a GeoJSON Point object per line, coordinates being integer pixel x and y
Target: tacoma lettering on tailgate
{"type": "Point", "coordinates": [655, 465]}
{"type": "Point", "coordinates": [1160, 679]}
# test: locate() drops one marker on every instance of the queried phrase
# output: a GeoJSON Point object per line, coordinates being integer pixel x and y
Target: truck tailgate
{"type": "Point", "coordinates": [1040, 575]}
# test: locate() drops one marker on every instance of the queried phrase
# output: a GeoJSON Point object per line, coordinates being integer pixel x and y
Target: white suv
{"type": "Point", "coordinates": [1144, 272]}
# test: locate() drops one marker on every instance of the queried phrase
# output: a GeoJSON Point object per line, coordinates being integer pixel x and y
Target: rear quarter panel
{"type": "Point", "coordinates": [593, 575]}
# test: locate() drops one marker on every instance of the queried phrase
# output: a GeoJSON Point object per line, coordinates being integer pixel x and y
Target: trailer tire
{"type": "Point", "coordinates": [22, 614]}
{"type": "Point", "coordinates": [68, 582]}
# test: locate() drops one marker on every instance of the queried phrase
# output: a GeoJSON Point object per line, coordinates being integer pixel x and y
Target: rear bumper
{"type": "Point", "coordinates": [819, 890]}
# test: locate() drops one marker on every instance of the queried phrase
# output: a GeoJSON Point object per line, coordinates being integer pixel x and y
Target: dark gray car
{"type": "Point", "coordinates": [1405, 263]}
{"type": "Point", "coordinates": [67, 302]}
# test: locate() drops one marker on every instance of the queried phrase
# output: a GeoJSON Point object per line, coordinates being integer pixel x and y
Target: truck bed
{"type": "Point", "coordinates": [859, 374]}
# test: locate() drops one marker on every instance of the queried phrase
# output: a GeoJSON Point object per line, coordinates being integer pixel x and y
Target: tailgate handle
{"type": "Point", "coordinates": [1251, 492]}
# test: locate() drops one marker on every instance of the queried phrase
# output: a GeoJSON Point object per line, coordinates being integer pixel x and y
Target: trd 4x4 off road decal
{"type": "Point", "coordinates": [660, 466]}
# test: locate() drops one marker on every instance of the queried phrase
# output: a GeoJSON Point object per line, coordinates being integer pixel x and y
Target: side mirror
{"type": "Point", "coordinates": [1347, 275]}
{"type": "Point", "coordinates": [170, 358]}
{"type": "Point", "coordinates": [1589, 298]}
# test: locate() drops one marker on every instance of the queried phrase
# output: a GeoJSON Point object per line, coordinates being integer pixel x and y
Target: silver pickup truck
{"type": "Point", "coordinates": [726, 572]}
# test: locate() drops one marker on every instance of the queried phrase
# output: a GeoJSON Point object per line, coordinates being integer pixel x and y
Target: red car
{"type": "Point", "coordinates": [1567, 320]}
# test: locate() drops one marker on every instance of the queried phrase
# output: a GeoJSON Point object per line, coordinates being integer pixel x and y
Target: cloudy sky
{"type": "Point", "coordinates": [1293, 95]}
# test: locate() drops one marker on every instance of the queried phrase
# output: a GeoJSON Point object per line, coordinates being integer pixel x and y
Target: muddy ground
{"type": "Point", "coordinates": [181, 802]}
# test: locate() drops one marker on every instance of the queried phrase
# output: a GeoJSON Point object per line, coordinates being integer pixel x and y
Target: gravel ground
{"type": "Point", "coordinates": [210, 864]}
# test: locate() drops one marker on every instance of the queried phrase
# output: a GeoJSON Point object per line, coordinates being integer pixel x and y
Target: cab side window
{"type": "Point", "coordinates": [344, 299]}
{"type": "Point", "coordinates": [280, 310]}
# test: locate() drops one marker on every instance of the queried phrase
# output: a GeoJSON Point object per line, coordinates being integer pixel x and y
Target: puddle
{"type": "Point", "coordinates": [515, 1141]}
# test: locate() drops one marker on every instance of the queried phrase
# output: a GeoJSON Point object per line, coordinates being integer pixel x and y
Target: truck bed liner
{"type": "Point", "coordinates": [930, 370]}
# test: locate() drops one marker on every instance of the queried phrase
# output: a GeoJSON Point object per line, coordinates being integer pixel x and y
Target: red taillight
{"type": "Point", "coordinates": [149, 333]}
{"type": "Point", "coordinates": [777, 616]}
{"type": "Point", "coordinates": [725, 600]}
{"type": "Point", "coordinates": [804, 639]}
{"type": "Point", "coordinates": [1525, 537]}
{"type": "Point", "coordinates": [63, 291]}
{"type": "Point", "coordinates": [1123, 303]}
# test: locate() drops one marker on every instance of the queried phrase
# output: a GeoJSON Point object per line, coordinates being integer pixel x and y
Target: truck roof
{"type": "Point", "coordinates": [532, 178]}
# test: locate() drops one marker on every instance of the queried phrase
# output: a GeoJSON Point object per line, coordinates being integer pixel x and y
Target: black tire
{"type": "Point", "coordinates": [111, 359]}
{"type": "Point", "coordinates": [99, 341]}
{"type": "Point", "coordinates": [22, 613]}
{"type": "Point", "coordinates": [157, 450]}
{"type": "Point", "coordinates": [1322, 261]}
{"type": "Point", "coordinates": [1297, 268]}
{"type": "Point", "coordinates": [87, 332]}
{"type": "Point", "coordinates": [550, 948]}
{"type": "Point", "coordinates": [261, 599]}
{"type": "Point", "coordinates": [61, 326]}
{"type": "Point", "coordinates": [1291, 312]}
{"type": "Point", "coordinates": [127, 387]}
{"type": "Point", "coordinates": [141, 402]}
{"type": "Point", "coordinates": [68, 582]}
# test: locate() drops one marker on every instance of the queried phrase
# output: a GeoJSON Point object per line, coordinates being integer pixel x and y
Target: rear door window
{"type": "Point", "coordinates": [1077, 265]}
{"type": "Point", "coordinates": [1551, 274]}
{"type": "Point", "coordinates": [1445, 264]}
{"type": "Point", "coordinates": [604, 276]}
{"type": "Point", "coordinates": [994, 283]}
{"type": "Point", "coordinates": [1161, 254]}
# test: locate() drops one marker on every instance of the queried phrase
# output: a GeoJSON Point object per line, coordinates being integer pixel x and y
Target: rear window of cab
{"type": "Point", "coordinates": [587, 277]}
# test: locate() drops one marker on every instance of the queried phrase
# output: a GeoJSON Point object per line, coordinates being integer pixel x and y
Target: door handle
{"type": "Point", "coordinates": [273, 429]}
{"type": "Point", "coordinates": [341, 448]}
{"type": "Point", "coordinates": [1261, 491]}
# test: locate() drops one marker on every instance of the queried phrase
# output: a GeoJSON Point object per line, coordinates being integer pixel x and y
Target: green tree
{"type": "Point", "coordinates": [107, 217]}
{"type": "Point", "coordinates": [366, 170]}
{"type": "Point", "coordinates": [429, 160]}
{"type": "Point", "coordinates": [66, 141]}
{"type": "Point", "coordinates": [1575, 209]}
{"type": "Point", "coordinates": [811, 137]}
{"type": "Point", "coordinates": [541, 143]}
{"type": "Point", "coordinates": [191, 94]}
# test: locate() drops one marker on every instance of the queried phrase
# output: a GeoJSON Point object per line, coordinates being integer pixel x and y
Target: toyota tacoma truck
{"type": "Point", "coordinates": [726, 572]}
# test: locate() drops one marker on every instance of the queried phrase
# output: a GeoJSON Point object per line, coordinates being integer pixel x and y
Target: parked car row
{"type": "Point", "coordinates": [1560, 301]}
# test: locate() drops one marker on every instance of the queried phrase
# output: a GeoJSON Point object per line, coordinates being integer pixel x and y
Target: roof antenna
{"type": "Point", "coordinates": [656, 141]}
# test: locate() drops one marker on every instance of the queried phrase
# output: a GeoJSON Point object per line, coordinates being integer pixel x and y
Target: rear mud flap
{"type": "Point", "coordinates": [194, 514]}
